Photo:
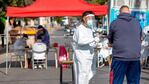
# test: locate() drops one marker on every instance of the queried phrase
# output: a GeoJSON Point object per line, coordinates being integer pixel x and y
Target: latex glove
{"type": "Point", "coordinates": [145, 43]}
{"type": "Point", "coordinates": [97, 39]}
{"type": "Point", "coordinates": [92, 44]}
{"type": "Point", "coordinates": [99, 45]}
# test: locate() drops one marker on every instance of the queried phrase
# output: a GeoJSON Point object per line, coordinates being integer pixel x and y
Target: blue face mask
{"type": "Point", "coordinates": [90, 24]}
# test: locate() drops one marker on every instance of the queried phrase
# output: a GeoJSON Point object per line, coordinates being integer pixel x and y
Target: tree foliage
{"type": "Point", "coordinates": [14, 3]}
{"type": "Point", "coordinates": [17, 3]}
{"type": "Point", "coordinates": [101, 2]}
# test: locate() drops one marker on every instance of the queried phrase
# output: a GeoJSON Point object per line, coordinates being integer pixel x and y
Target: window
{"type": "Point", "coordinates": [144, 4]}
{"type": "Point", "coordinates": [119, 3]}
{"type": "Point", "coordinates": [139, 4]}
{"type": "Point", "coordinates": [147, 2]}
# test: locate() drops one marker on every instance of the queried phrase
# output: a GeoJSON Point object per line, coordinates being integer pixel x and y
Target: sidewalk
{"type": "Point", "coordinates": [51, 76]}
{"type": "Point", "coordinates": [16, 75]}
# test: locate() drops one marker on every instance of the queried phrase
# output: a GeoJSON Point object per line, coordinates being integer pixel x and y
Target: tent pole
{"type": "Point", "coordinates": [6, 58]}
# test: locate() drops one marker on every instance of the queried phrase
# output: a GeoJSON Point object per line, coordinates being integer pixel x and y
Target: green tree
{"type": "Point", "coordinates": [17, 3]}
{"type": "Point", "coordinates": [14, 3]}
{"type": "Point", "coordinates": [2, 10]}
{"type": "Point", "coordinates": [101, 2]}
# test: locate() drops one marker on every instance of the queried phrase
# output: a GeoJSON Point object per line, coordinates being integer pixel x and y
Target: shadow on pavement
{"type": "Point", "coordinates": [144, 78]}
{"type": "Point", "coordinates": [51, 63]}
{"type": "Point", "coordinates": [2, 50]}
{"type": "Point", "coordinates": [67, 82]}
{"type": "Point", "coordinates": [145, 71]}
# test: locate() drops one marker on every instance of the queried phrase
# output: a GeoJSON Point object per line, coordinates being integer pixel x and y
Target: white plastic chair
{"type": "Point", "coordinates": [39, 55]}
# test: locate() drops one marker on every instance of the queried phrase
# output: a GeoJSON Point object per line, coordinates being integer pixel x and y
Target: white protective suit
{"type": "Point", "coordinates": [105, 50]}
{"type": "Point", "coordinates": [145, 43]}
{"type": "Point", "coordinates": [84, 60]}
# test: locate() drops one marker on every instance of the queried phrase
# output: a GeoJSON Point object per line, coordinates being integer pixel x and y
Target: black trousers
{"type": "Point", "coordinates": [2, 39]}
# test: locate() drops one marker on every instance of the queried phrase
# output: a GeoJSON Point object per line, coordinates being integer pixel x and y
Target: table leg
{"type": "Point", "coordinates": [25, 60]}
{"type": "Point", "coordinates": [73, 75]}
{"type": "Point", "coordinates": [61, 74]}
{"type": "Point", "coordinates": [97, 58]}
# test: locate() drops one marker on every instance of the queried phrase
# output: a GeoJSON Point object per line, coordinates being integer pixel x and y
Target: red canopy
{"type": "Point", "coordinates": [56, 8]}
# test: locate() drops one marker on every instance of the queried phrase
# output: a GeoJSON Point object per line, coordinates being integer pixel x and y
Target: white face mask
{"type": "Point", "coordinates": [90, 24]}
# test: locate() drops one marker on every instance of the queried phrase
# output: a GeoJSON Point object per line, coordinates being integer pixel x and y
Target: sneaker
{"type": "Point", "coordinates": [40, 66]}
{"type": "Point", "coordinates": [35, 67]}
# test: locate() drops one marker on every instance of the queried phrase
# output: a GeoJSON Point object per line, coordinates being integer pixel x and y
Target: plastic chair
{"type": "Point", "coordinates": [63, 55]}
{"type": "Point", "coordinates": [14, 56]}
{"type": "Point", "coordinates": [39, 55]}
{"type": "Point", "coordinates": [72, 71]}
{"type": "Point", "coordinates": [64, 62]}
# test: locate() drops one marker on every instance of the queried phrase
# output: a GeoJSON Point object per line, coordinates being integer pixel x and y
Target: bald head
{"type": "Point", "coordinates": [124, 9]}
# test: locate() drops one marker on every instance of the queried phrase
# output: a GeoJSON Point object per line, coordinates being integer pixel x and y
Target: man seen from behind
{"type": "Point", "coordinates": [125, 40]}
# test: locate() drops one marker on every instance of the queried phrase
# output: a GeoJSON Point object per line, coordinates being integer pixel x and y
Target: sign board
{"type": "Point", "coordinates": [139, 9]}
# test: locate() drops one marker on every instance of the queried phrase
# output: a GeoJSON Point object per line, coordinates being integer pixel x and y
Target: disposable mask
{"type": "Point", "coordinates": [90, 24]}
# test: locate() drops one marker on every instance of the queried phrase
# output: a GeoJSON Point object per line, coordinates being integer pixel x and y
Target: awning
{"type": "Point", "coordinates": [56, 8]}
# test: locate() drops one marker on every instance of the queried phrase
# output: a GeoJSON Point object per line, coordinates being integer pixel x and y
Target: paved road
{"type": "Point", "coordinates": [51, 76]}
{"type": "Point", "coordinates": [16, 75]}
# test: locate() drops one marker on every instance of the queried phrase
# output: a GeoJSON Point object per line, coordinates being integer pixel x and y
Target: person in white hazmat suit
{"type": "Point", "coordinates": [145, 44]}
{"type": "Point", "coordinates": [105, 52]}
{"type": "Point", "coordinates": [83, 45]}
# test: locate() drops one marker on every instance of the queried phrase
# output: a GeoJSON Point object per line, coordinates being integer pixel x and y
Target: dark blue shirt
{"type": "Point", "coordinates": [125, 37]}
{"type": "Point", "coordinates": [45, 37]}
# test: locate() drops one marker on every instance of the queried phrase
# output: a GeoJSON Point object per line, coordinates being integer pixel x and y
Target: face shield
{"type": "Point", "coordinates": [91, 22]}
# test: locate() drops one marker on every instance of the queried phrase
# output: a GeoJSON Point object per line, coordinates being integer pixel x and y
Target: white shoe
{"type": "Point", "coordinates": [35, 67]}
{"type": "Point", "coordinates": [40, 66]}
